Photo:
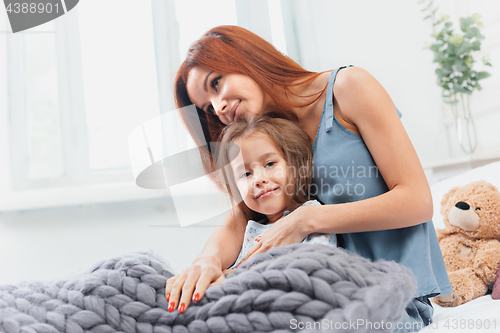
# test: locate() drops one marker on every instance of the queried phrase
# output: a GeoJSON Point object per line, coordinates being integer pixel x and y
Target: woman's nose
{"type": "Point", "coordinates": [221, 107]}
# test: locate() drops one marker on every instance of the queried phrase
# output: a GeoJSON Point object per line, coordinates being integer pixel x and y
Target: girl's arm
{"type": "Point", "coordinates": [363, 106]}
{"type": "Point", "coordinates": [220, 251]}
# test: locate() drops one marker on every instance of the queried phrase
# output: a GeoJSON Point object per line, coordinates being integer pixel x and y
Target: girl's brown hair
{"type": "Point", "coordinates": [232, 49]}
{"type": "Point", "coordinates": [290, 140]}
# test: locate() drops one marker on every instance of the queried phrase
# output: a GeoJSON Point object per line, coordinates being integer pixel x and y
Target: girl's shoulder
{"type": "Point", "coordinates": [260, 223]}
{"type": "Point", "coordinates": [311, 203]}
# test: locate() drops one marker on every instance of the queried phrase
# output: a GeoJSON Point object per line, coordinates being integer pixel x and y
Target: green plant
{"type": "Point", "coordinates": [454, 53]}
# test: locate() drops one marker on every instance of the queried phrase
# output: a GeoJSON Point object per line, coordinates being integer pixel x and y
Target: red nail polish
{"type": "Point", "coordinates": [258, 239]}
{"type": "Point", "coordinates": [181, 307]}
{"type": "Point", "coordinates": [196, 297]}
{"type": "Point", "coordinates": [168, 297]}
{"type": "Point", "coordinates": [171, 307]}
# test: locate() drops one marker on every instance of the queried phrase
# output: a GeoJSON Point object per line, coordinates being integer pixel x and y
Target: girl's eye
{"type": "Point", "coordinates": [245, 175]}
{"type": "Point", "coordinates": [270, 164]}
{"type": "Point", "coordinates": [215, 83]}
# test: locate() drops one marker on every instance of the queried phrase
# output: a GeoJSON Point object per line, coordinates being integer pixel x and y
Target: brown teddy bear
{"type": "Point", "coordinates": [470, 246]}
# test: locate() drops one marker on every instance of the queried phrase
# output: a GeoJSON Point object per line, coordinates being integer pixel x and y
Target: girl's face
{"type": "Point", "coordinates": [229, 96]}
{"type": "Point", "coordinates": [260, 173]}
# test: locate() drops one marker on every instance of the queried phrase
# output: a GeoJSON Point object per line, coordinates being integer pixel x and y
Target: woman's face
{"type": "Point", "coordinates": [229, 96]}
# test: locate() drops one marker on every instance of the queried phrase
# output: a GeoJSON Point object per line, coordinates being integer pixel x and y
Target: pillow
{"type": "Point", "coordinates": [489, 173]}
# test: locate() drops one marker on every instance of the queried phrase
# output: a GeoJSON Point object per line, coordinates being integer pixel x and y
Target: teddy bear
{"type": "Point", "coordinates": [470, 245]}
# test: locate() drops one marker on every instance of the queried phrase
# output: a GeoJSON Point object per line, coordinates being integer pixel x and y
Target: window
{"type": "Point", "coordinates": [5, 177]}
{"type": "Point", "coordinates": [34, 107]}
{"type": "Point", "coordinates": [76, 87]}
{"type": "Point", "coordinates": [119, 78]}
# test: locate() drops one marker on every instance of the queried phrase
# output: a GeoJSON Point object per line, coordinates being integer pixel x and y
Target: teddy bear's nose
{"type": "Point", "coordinates": [462, 205]}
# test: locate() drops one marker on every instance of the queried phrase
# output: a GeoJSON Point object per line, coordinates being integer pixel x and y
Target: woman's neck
{"type": "Point", "coordinates": [308, 91]}
{"type": "Point", "coordinates": [309, 116]}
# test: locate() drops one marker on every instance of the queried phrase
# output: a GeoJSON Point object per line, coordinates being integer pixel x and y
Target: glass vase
{"type": "Point", "coordinates": [464, 124]}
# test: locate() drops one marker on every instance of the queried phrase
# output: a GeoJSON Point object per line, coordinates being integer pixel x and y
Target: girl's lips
{"type": "Point", "coordinates": [266, 194]}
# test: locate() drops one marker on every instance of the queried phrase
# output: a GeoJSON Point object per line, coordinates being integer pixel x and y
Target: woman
{"type": "Point", "coordinates": [366, 170]}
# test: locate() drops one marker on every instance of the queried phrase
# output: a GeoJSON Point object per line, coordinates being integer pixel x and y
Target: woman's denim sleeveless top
{"type": "Point", "coordinates": [344, 171]}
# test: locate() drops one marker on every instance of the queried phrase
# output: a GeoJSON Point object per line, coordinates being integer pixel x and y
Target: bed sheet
{"type": "Point", "coordinates": [479, 315]}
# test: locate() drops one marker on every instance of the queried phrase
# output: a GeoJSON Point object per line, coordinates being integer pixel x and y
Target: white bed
{"type": "Point", "coordinates": [482, 314]}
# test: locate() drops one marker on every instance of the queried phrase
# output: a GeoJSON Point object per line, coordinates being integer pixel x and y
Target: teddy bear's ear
{"type": "Point", "coordinates": [446, 197]}
{"type": "Point", "coordinates": [485, 186]}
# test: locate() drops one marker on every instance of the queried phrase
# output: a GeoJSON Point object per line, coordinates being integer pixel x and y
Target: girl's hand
{"type": "Point", "coordinates": [290, 229]}
{"type": "Point", "coordinates": [192, 283]}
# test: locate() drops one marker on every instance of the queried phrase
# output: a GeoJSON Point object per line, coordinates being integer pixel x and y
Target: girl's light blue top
{"type": "Point", "coordinates": [255, 229]}
{"type": "Point", "coordinates": [344, 171]}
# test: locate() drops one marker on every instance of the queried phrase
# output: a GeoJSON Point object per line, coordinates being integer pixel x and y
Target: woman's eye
{"type": "Point", "coordinates": [215, 83]}
{"type": "Point", "coordinates": [210, 109]}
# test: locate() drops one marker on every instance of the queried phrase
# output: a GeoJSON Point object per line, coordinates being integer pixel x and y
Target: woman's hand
{"type": "Point", "coordinates": [192, 283]}
{"type": "Point", "coordinates": [221, 250]}
{"type": "Point", "coordinates": [290, 229]}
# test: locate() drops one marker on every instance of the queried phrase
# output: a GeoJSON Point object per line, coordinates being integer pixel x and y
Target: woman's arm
{"type": "Point", "coordinates": [363, 106]}
{"type": "Point", "coordinates": [220, 251]}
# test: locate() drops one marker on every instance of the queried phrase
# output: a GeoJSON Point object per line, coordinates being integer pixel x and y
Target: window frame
{"type": "Point", "coordinates": [79, 185]}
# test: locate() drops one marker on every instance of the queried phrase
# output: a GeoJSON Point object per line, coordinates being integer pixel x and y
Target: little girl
{"type": "Point", "coordinates": [266, 165]}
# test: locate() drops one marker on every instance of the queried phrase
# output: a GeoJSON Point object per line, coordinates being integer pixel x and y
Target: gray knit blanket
{"type": "Point", "coordinates": [299, 287]}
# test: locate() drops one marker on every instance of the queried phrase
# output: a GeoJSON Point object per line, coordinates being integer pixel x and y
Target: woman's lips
{"type": "Point", "coordinates": [234, 111]}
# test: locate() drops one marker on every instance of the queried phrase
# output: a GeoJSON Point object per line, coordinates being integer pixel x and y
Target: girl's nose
{"type": "Point", "coordinates": [260, 181]}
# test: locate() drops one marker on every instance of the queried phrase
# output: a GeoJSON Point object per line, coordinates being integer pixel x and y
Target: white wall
{"type": "Point", "coordinates": [387, 38]}
{"type": "Point", "coordinates": [53, 244]}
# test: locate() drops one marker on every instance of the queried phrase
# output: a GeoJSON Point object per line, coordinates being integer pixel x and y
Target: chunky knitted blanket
{"type": "Point", "coordinates": [300, 287]}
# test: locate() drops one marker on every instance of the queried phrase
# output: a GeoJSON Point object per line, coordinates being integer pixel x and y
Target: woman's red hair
{"type": "Point", "coordinates": [232, 49]}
